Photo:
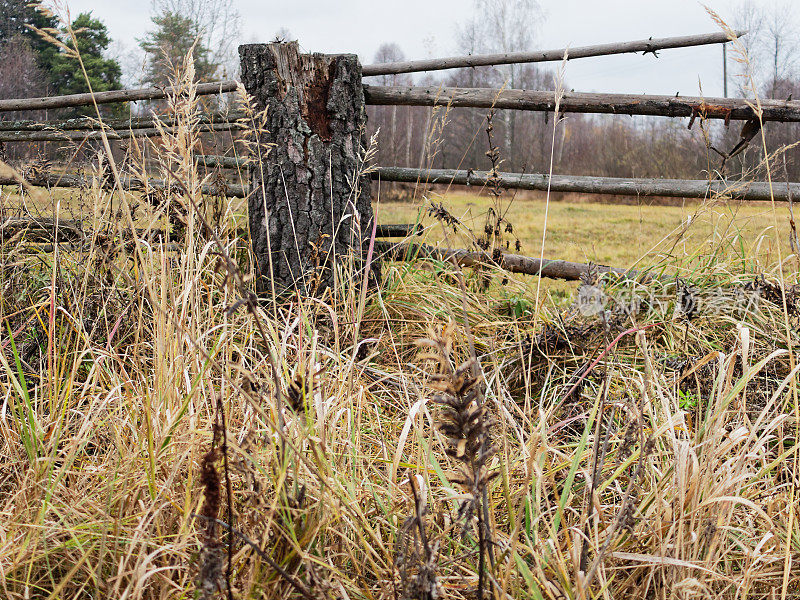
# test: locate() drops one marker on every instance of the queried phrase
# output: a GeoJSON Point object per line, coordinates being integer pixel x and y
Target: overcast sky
{"type": "Point", "coordinates": [425, 28]}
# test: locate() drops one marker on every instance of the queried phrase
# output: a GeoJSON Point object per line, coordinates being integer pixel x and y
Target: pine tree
{"type": "Point", "coordinates": [19, 20]}
{"type": "Point", "coordinates": [22, 18]}
{"type": "Point", "coordinates": [169, 45]}
{"type": "Point", "coordinates": [91, 41]}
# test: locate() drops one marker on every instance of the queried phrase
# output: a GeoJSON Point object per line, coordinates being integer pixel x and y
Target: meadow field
{"type": "Point", "coordinates": [446, 432]}
{"type": "Point", "coordinates": [583, 229]}
{"type": "Point", "coordinates": [178, 421]}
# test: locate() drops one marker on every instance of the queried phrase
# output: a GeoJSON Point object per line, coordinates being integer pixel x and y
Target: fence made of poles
{"type": "Point", "coordinates": [56, 135]}
{"type": "Point", "coordinates": [111, 97]}
{"type": "Point", "coordinates": [648, 46]}
{"type": "Point", "coordinates": [672, 188]}
{"type": "Point", "coordinates": [309, 121]}
{"type": "Point", "coordinates": [575, 102]}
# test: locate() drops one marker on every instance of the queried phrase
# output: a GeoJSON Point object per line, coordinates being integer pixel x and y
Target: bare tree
{"type": "Point", "coordinates": [749, 16]}
{"type": "Point", "coordinates": [502, 26]}
{"type": "Point", "coordinates": [771, 44]}
{"type": "Point", "coordinates": [387, 117]}
{"type": "Point", "coordinates": [402, 128]}
{"type": "Point", "coordinates": [781, 43]}
{"type": "Point", "coordinates": [20, 77]}
{"type": "Point", "coordinates": [769, 70]}
{"type": "Point", "coordinates": [218, 22]}
{"type": "Point", "coordinates": [133, 61]}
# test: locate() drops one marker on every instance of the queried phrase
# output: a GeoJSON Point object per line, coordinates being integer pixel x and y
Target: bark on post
{"type": "Point", "coordinates": [308, 209]}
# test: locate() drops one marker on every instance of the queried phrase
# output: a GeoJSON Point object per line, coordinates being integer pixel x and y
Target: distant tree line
{"type": "Point", "coordinates": [40, 54]}
{"type": "Point", "coordinates": [604, 145]}
{"type": "Point", "coordinates": [44, 54]}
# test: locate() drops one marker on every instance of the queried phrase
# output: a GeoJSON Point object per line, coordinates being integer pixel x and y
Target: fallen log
{"type": "Point", "coordinates": [514, 263]}
{"type": "Point", "coordinates": [575, 102]}
{"type": "Point", "coordinates": [481, 60]}
{"type": "Point", "coordinates": [674, 188]}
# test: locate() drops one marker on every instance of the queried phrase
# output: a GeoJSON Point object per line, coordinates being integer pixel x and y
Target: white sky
{"type": "Point", "coordinates": [425, 28]}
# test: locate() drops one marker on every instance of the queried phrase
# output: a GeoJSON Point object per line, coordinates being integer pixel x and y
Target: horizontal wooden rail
{"type": "Point", "coordinates": [88, 99]}
{"type": "Point", "coordinates": [222, 162]}
{"type": "Point", "coordinates": [42, 229]}
{"type": "Point", "coordinates": [507, 58]}
{"type": "Point", "coordinates": [54, 135]}
{"type": "Point", "coordinates": [129, 183]}
{"type": "Point", "coordinates": [514, 263]}
{"type": "Point", "coordinates": [49, 230]}
{"type": "Point", "coordinates": [575, 102]}
{"type": "Point", "coordinates": [84, 247]}
{"type": "Point", "coordinates": [678, 188]}
{"type": "Point", "coordinates": [675, 188]}
{"type": "Point", "coordinates": [91, 124]}
{"type": "Point", "coordinates": [399, 230]}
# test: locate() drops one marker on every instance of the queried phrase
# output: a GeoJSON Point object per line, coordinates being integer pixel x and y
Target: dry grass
{"type": "Point", "coordinates": [612, 234]}
{"type": "Point", "coordinates": [623, 454]}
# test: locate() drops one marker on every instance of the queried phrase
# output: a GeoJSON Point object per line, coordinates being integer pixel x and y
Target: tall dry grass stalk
{"type": "Point", "coordinates": [165, 435]}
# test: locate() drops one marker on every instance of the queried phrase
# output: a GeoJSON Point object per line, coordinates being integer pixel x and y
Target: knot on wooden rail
{"type": "Point", "coordinates": [707, 111]}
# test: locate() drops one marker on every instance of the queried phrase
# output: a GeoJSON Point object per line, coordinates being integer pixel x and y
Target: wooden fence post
{"type": "Point", "coordinates": [308, 208]}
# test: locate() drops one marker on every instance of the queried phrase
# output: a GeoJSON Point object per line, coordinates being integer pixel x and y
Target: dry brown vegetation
{"type": "Point", "coordinates": [448, 434]}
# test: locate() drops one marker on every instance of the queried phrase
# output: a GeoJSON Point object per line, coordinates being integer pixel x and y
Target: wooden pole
{"type": "Point", "coordinates": [222, 162]}
{"type": "Point", "coordinates": [481, 60]}
{"type": "Point", "coordinates": [308, 208]}
{"type": "Point", "coordinates": [674, 188]}
{"type": "Point", "coordinates": [725, 70]}
{"type": "Point", "coordinates": [90, 124]}
{"type": "Point", "coordinates": [52, 180]}
{"type": "Point", "coordinates": [574, 102]}
{"type": "Point", "coordinates": [19, 104]}
{"type": "Point", "coordinates": [514, 263]}
{"type": "Point", "coordinates": [55, 135]}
